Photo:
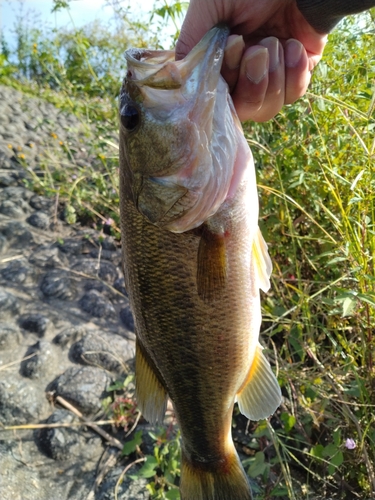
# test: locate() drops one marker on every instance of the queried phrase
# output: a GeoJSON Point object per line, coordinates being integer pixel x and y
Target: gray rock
{"type": "Point", "coordinates": [69, 335]}
{"type": "Point", "coordinates": [126, 317]}
{"type": "Point", "coordinates": [17, 271]}
{"type": "Point", "coordinates": [108, 351]}
{"type": "Point", "coordinates": [18, 234]}
{"type": "Point", "coordinates": [94, 303]}
{"type": "Point", "coordinates": [8, 305]}
{"type": "Point", "coordinates": [39, 219]}
{"type": "Point", "coordinates": [11, 209]}
{"type": "Point", "coordinates": [21, 402]}
{"type": "Point", "coordinates": [10, 336]}
{"type": "Point", "coordinates": [119, 284]}
{"type": "Point", "coordinates": [57, 283]}
{"type": "Point", "coordinates": [62, 443]}
{"type": "Point", "coordinates": [41, 203]}
{"type": "Point", "coordinates": [95, 267]}
{"type": "Point", "coordinates": [48, 256]}
{"type": "Point", "coordinates": [34, 323]}
{"type": "Point", "coordinates": [84, 387]}
{"type": "Point", "coordinates": [42, 358]}
{"type": "Point", "coordinates": [128, 489]}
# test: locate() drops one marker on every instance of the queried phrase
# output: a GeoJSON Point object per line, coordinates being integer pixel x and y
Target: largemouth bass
{"type": "Point", "coordinates": [194, 259]}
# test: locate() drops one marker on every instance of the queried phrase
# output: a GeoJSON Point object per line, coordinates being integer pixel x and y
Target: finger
{"type": "Point", "coordinates": [275, 93]}
{"type": "Point", "coordinates": [250, 90]}
{"type": "Point", "coordinates": [297, 70]}
{"type": "Point", "coordinates": [232, 60]}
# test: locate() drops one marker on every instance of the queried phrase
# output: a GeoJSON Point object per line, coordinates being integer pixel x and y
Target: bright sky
{"type": "Point", "coordinates": [82, 12]}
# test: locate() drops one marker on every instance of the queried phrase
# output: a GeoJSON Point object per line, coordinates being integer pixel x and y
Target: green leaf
{"type": "Point", "coordinates": [173, 494]}
{"type": "Point", "coordinates": [148, 469]}
{"type": "Point", "coordinates": [330, 450]}
{"type": "Point", "coordinates": [259, 466]}
{"type": "Point", "coordinates": [289, 421]}
{"type": "Point", "coordinates": [132, 445]}
{"type": "Point", "coordinates": [335, 462]}
{"type": "Point", "coordinates": [317, 451]}
{"type": "Point", "coordinates": [348, 306]}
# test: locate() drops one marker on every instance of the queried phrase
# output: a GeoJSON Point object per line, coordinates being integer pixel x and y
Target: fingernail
{"type": "Point", "coordinates": [293, 52]}
{"type": "Point", "coordinates": [273, 46]}
{"type": "Point", "coordinates": [256, 65]}
{"type": "Point", "coordinates": [233, 51]}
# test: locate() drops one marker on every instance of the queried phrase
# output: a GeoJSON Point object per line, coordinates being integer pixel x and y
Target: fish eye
{"type": "Point", "coordinates": [129, 117]}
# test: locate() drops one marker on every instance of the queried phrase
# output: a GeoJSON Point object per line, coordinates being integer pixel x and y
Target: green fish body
{"type": "Point", "coordinates": [194, 259]}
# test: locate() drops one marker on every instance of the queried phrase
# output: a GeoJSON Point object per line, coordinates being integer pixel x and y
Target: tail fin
{"type": "Point", "coordinates": [225, 481]}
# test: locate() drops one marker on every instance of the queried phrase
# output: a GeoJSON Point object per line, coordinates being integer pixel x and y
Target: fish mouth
{"type": "Point", "coordinates": [184, 91]}
{"type": "Point", "coordinates": [196, 76]}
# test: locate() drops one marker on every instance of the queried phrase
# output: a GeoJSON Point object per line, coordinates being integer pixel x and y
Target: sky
{"type": "Point", "coordinates": [82, 12]}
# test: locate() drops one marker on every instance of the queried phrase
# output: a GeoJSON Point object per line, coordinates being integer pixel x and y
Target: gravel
{"type": "Point", "coordinates": [65, 324]}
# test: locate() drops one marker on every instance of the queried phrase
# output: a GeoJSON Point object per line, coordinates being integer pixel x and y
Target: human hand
{"type": "Point", "coordinates": [269, 55]}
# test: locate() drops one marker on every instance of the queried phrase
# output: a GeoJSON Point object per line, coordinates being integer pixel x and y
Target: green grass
{"type": "Point", "coordinates": [316, 176]}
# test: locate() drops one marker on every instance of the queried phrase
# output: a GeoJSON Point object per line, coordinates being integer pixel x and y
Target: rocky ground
{"type": "Point", "coordinates": [66, 331]}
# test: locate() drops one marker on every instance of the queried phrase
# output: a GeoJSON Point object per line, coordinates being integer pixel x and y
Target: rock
{"type": "Point", "coordinates": [97, 305]}
{"type": "Point", "coordinates": [119, 284]}
{"type": "Point", "coordinates": [17, 271]}
{"type": "Point", "coordinates": [39, 219]}
{"type": "Point", "coordinates": [34, 323]}
{"type": "Point", "coordinates": [10, 336]}
{"type": "Point", "coordinates": [61, 443]}
{"type": "Point", "coordinates": [83, 387]}
{"type": "Point", "coordinates": [18, 235]}
{"type": "Point", "coordinates": [57, 283]}
{"type": "Point", "coordinates": [127, 318]}
{"type": "Point", "coordinates": [69, 335]}
{"type": "Point", "coordinates": [48, 256]}
{"type": "Point", "coordinates": [42, 358]}
{"type": "Point", "coordinates": [95, 267]}
{"type": "Point", "coordinates": [8, 305]}
{"type": "Point", "coordinates": [108, 351]}
{"type": "Point", "coordinates": [41, 203]}
{"type": "Point", "coordinates": [21, 402]}
{"type": "Point", "coordinates": [127, 490]}
{"type": "Point", "coordinates": [11, 209]}
{"type": "Point", "coordinates": [71, 246]}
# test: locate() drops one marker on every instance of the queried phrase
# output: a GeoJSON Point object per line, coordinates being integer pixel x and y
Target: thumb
{"type": "Point", "coordinates": [198, 20]}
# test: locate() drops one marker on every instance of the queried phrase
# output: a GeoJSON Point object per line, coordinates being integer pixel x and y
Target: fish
{"type": "Point", "coordinates": [194, 259]}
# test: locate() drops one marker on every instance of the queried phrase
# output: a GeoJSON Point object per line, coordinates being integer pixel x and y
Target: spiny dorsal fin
{"type": "Point", "coordinates": [261, 394]}
{"type": "Point", "coordinates": [212, 264]}
{"type": "Point", "coordinates": [262, 260]}
{"type": "Point", "coordinates": [149, 391]}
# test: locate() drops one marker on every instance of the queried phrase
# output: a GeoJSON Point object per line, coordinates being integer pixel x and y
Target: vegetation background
{"type": "Point", "coordinates": [316, 177]}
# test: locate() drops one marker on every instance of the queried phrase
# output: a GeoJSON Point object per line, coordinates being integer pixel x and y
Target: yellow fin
{"type": "Point", "coordinates": [263, 263]}
{"type": "Point", "coordinates": [223, 480]}
{"type": "Point", "coordinates": [212, 264]}
{"type": "Point", "coordinates": [149, 391]}
{"type": "Point", "coordinates": [261, 394]}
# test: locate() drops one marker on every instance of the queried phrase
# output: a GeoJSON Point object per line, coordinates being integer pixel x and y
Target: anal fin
{"type": "Point", "coordinates": [263, 263]}
{"type": "Point", "coordinates": [261, 394]}
{"type": "Point", "coordinates": [149, 391]}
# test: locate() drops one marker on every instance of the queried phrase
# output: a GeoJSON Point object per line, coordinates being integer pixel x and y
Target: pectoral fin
{"type": "Point", "coordinates": [261, 394]}
{"type": "Point", "coordinates": [212, 264]}
{"type": "Point", "coordinates": [150, 392]}
{"type": "Point", "coordinates": [262, 260]}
